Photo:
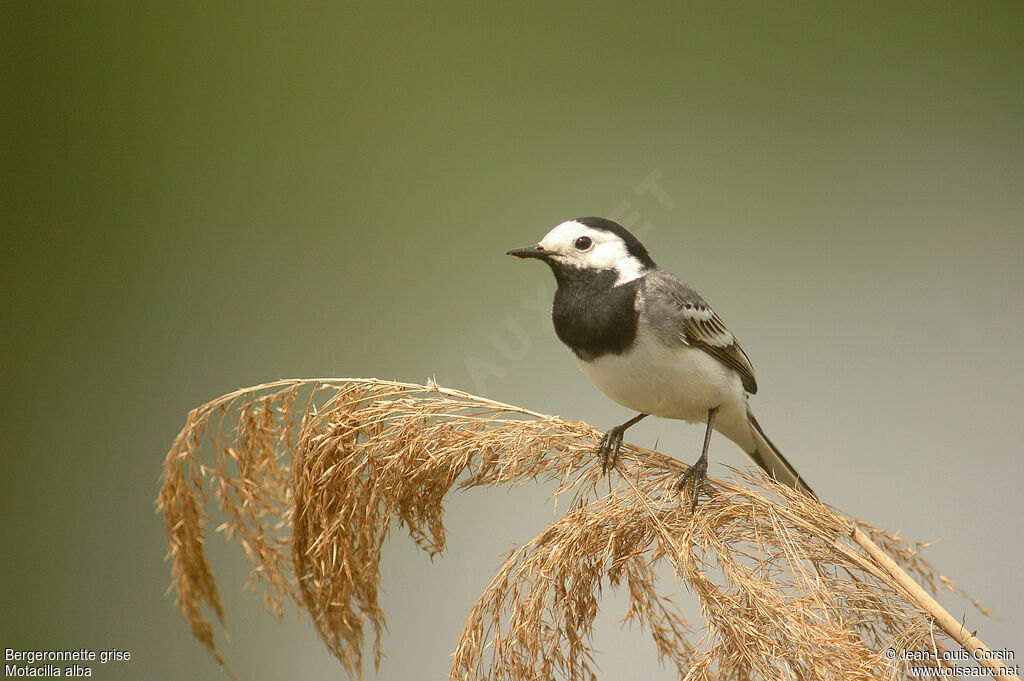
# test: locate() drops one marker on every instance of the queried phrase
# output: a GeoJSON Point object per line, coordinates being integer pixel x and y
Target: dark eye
{"type": "Point", "coordinates": [583, 243]}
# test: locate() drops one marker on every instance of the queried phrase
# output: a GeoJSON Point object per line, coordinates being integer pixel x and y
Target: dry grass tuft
{"type": "Point", "coordinates": [311, 475]}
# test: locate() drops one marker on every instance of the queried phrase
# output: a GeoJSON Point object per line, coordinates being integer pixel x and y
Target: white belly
{"type": "Point", "coordinates": [676, 382]}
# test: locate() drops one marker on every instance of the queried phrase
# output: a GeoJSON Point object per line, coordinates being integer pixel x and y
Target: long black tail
{"type": "Point", "coordinates": [767, 456]}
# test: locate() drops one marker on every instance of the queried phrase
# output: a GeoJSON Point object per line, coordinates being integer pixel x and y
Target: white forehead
{"type": "Point", "coordinates": [566, 234]}
{"type": "Point", "coordinates": [607, 252]}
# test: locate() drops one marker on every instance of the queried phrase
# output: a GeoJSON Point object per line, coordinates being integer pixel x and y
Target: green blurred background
{"type": "Point", "coordinates": [203, 196]}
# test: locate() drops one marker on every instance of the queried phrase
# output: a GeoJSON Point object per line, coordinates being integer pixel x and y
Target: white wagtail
{"type": "Point", "coordinates": [651, 343]}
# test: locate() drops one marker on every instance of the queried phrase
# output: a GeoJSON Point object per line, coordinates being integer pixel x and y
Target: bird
{"type": "Point", "coordinates": [651, 343]}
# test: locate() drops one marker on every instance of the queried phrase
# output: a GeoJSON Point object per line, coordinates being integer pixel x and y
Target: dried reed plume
{"type": "Point", "coordinates": [312, 474]}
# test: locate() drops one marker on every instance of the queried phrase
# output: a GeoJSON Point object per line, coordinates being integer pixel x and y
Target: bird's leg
{"type": "Point", "coordinates": [608, 447]}
{"type": "Point", "coordinates": [699, 470]}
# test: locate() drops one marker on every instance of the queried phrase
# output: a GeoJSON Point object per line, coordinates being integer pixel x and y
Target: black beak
{"type": "Point", "coordinates": [529, 252]}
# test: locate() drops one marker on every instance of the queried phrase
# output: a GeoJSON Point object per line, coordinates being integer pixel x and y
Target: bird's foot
{"type": "Point", "coordinates": [698, 473]}
{"type": "Point", "coordinates": [608, 448]}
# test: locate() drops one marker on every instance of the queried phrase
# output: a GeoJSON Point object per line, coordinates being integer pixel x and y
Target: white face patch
{"type": "Point", "coordinates": [605, 251]}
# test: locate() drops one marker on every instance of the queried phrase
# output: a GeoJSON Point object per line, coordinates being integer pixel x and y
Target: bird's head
{"type": "Point", "coordinates": [591, 244]}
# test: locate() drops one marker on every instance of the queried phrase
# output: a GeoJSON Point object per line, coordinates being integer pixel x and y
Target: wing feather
{"type": "Point", "coordinates": [674, 304]}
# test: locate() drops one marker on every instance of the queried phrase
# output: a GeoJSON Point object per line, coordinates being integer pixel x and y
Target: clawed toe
{"type": "Point", "coordinates": [698, 473]}
{"type": "Point", "coordinates": [608, 448]}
